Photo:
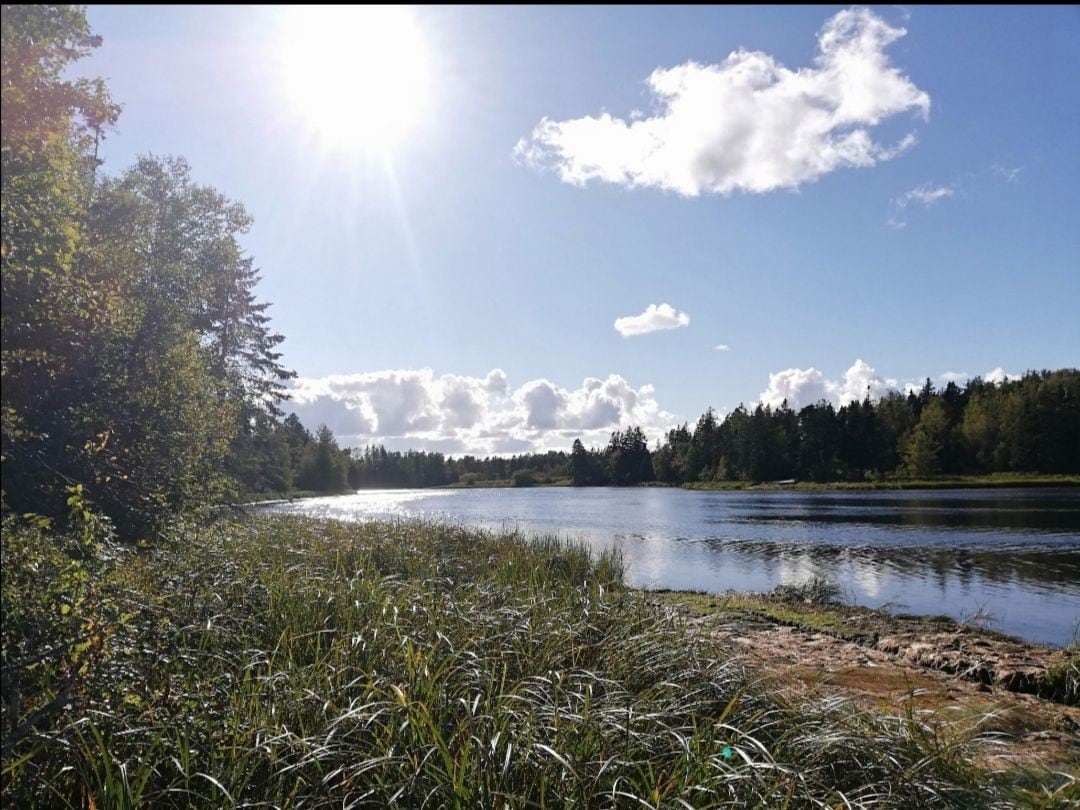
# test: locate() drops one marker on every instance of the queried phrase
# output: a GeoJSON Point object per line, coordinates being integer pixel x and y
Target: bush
{"type": "Point", "coordinates": [524, 478]}
{"type": "Point", "coordinates": [813, 591]}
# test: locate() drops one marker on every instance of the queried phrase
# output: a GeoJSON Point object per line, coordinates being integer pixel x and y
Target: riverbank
{"type": "Point", "coordinates": [995, 480]}
{"type": "Point", "coordinates": [937, 643]}
{"type": "Point", "coordinates": [285, 660]}
{"type": "Point", "coordinates": [951, 675]}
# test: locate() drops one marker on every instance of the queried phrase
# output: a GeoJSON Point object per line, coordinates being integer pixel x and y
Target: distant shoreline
{"type": "Point", "coordinates": [1011, 481]}
{"type": "Point", "coordinates": [957, 482]}
{"type": "Point", "coordinates": [993, 481]}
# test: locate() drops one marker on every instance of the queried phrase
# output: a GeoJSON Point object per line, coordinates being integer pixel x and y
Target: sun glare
{"type": "Point", "coordinates": [357, 75]}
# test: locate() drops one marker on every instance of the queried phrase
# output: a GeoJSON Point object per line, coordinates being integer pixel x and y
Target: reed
{"type": "Point", "coordinates": [289, 662]}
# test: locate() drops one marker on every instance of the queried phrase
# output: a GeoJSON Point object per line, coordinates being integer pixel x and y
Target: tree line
{"type": "Point", "coordinates": [1028, 425]}
{"type": "Point", "coordinates": [325, 467]}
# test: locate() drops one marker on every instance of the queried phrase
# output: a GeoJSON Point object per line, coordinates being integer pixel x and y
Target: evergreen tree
{"type": "Point", "coordinates": [580, 465]}
{"type": "Point", "coordinates": [922, 455]}
{"type": "Point", "coordinates": [324, 467]}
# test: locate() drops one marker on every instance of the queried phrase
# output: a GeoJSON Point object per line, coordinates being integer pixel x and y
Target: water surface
{"type": "Point", "coordinates": [1010, 554]}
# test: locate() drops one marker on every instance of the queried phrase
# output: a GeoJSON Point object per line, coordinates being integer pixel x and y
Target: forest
{"type": "Point", "coordinates": [1028, 425]}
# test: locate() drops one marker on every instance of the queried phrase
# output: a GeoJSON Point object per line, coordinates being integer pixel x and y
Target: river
{"type": "Point", "coordinates": [1009, 558]}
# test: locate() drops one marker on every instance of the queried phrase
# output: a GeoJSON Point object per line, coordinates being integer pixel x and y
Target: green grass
{"type": "Point", "coordinates": [282, 661]}
{"type": "Point", "coordinates": [1063, 682]}
{"type": "Point", "coordinates": [769, 607]}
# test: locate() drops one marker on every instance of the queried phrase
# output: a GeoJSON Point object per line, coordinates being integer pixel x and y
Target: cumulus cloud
{"type": "Point", "coordinates": [653, 319]}
{"type": "Point", "coordinates": [747, 124]}
{"type": "Point", "coordinates": [798, 387]}
{"type": "Point", "coordinates": [861, 381]}
{"type": "Point", "coordinates": [801, 387]}
{"type": "Point", "coordinates": [722, 347]}
{"type": "Point", "coordinates": [807, 386]}
{"type": "Point", "coordinates": [544, 403]}
{"type": "Point", "coordinates": [997, 376]}
{"type": "Point", "coordinates": [1000, 375]}
{"type": "Point", "coordinates": [954, 377]}
{"type": "Point", "coordinates": [459, 414]}
{"type": "Point", "coordinates": [496, 381]}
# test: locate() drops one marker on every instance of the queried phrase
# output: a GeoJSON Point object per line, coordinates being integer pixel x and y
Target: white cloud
{"type": "Point", "coordinates": [954, 376]}
{"type": "Point", "coordinates": [861, 381]}
{"type": "Point", "coordinates": [802, 387]}
{"type": "Point", "coordinates": [544, 403]}
{"type": "Point", "coordinates": [747, 124]}
{"type": "Point", "coordinates": [480, 415]}
{"type": "Point", "coordinates": [653, 319]}
{"type": "Point", "coordinates": [926, 195]}
{"type": "Point", "coordinates": [722, 347]}
{"type": "Point", "coordinates": [999, 375]}
{"type": "Point", "coordinates": [1010, 174]}
{"type": "Point", "coordinates": [799, 387]}
{"type": "Point", "coordinates": [807, 386]}
{"type": "Point", "coordinates": [496, 381]}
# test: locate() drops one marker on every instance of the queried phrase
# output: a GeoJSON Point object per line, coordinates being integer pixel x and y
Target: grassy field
{"type": "Point", "coordinates": [282, 661]}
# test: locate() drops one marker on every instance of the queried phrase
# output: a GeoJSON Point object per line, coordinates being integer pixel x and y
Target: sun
{"type": "Point", "coordinates": [356, 75]}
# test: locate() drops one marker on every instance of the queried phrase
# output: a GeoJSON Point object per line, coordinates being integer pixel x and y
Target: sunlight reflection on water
{"type": "Point", "coordinates": [1014, 553]}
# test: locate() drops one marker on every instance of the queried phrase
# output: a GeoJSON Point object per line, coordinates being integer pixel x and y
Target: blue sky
{"type": "Point", "coordinates": [459, 288]}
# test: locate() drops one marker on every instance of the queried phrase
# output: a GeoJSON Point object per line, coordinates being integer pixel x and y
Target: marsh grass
{"type": "Point", "coordinates": [813, 590]}
{"type": "Point", "coordinates": [286, 662]}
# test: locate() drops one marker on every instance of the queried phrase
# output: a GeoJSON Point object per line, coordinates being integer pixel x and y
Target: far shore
{"type": "Point", "coordinates": [995, 481]}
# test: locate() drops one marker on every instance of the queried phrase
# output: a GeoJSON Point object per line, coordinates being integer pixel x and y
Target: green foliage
{"type": "Point", "coordinates": [524, 478]}
{"type": "Point", "coordinates": [627, 460]}
{"type": "Point", "coordinates": [375, 467]}
{"type": "Point", "coordinates": [814, 591]}
{"type": "Point", "coordinates": [288, 661]}
{"type": "Point", "coordinates": [586, 466]}
{"type": "Point", "coordinates": [1063, 681]}
{"type": "Point", "coordinates": [323, 467]}
{"type": "Point", "coordinates": [1030, 425]}
{"type": "Point", "coordinates": [136, 360]}
{"type": "Point", "coordinates": [58, 615]}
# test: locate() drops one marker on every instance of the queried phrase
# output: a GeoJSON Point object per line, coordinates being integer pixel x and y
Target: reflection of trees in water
{"type": "Point", "coordinates": [1050, 511]}
{"type": "Point", "coordinates": [1057, 570]}
{"type": "Point", "coordinates": [1057, 520]}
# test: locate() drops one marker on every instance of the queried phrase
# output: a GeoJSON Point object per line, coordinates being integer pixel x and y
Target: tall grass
{"type": "Point", "coordinates": [286, 662]}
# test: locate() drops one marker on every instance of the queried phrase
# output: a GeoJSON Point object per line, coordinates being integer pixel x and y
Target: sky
{"type": "Point", "coordinates": [494, 230]}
